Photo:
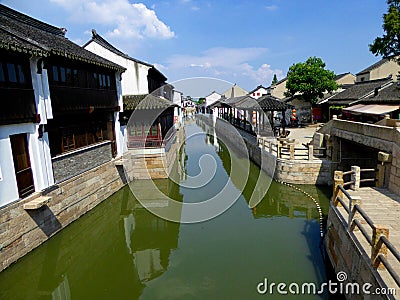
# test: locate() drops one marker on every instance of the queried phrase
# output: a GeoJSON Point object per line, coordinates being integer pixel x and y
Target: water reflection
{"type": "Point", "coordinates": [120, 250]}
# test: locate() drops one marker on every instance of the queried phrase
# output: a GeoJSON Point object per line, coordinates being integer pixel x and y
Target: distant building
{"type": "Point", "coordinates": [60, 107]}
{"type": "Point", "coordinates": [258, 92]}
{"type": "Point", "coordinates": [234, 91]}
{"type": "Point", "coordinates": [345, 79]}
{"type": "Point", "coordinates": [382, 69]}
{"type": "Point", "coordinates": [278, 90]}
{"type": "Point", "coordinates": [364, 91]}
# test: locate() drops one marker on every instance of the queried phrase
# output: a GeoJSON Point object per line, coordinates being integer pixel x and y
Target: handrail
{"type": "Point", "coordinates": [348, 173]}
{"type": "Point", "coordinates": [389, 268]}
{"type": "Point", "coordinates": [391, 247]}
{"type": "Point", "coordinates": [379, 236]}
{"type": "Point", "coordinates": [283, 148]}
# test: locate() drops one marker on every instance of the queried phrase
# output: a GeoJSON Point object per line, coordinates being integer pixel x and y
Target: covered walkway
{"type": "Point", "coordinates": [254, 116]}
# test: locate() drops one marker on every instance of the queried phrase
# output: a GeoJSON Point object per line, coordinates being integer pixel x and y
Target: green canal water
{"type": "Point", "coordinates": [119, 250]}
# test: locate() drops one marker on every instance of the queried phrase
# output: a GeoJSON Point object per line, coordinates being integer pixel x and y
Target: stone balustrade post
{"type": "Point", "coordinates": [383, 168]}
{"type": "Point", "coordinates": [355, 177]}
{"type": "Point", "coordinates": [337, 180]}
{"type": "Point", "coordinates": [310, 152]}
{"type": "Point", "coordinates": [270, 146]}
{"type": "Point", "coordinates": [377, 246]}
{"type": "Point", "coordinates": [353, 214]}
{"type": "Point", "coordinates": [329, 146]}
{"type": "Point", "coordinates": [279, 150]}
{"type": "Point", "coordinates": [291, 151]}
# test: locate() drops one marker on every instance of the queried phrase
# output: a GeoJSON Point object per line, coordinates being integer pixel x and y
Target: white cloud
{"type": "Point", "coordinates": [232, 64]}
{"type": "Point", "coordinates": [124, 19]}
{"type": "Point", "coordinates": [271, 7]}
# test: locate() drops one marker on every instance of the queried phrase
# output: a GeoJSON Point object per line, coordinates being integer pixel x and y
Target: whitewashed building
{"type": "Point", "coordinates": [139, 79]}
{"type": "Point", "coordinates": [258, 92]}
{"type": "Point", "coordinates": [60, 104]}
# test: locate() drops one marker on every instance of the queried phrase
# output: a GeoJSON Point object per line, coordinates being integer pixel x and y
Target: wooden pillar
{"type": "Point", "coordinates": [284, 122]}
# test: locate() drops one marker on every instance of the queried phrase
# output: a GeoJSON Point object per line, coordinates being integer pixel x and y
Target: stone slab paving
{"type": "Point", "coordinates": [383, 207]}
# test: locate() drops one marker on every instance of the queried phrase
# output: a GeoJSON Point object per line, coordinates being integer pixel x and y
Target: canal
{"type": "Point", "coordinates": [120, 250]}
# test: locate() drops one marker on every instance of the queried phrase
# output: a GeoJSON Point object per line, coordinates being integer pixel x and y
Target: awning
{"type": "Point", "coordinates": [371, 109]}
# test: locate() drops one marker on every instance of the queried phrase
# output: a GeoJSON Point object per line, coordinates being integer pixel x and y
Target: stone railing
{"type": "Point", "coordinates": [285, 148]}
{"type": "Point", "coordinates": [376, 235]}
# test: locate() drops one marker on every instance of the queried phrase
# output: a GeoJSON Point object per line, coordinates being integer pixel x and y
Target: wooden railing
{"type": "Point", "coordinates": [376, 235]}
{"type": "Point", "coordinates": [286, 148]}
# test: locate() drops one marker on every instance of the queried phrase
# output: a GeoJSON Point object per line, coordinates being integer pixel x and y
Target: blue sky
{"type": "Point", "coordinates": [243, 42]}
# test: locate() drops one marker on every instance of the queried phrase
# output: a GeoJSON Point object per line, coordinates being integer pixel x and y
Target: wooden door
{"type": "Point", "coordinates": [22, 164]}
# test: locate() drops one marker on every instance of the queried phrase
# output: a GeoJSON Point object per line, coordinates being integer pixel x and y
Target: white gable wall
{"type": "Point", "coordinates": [210, 99]}
{"type": "Point", "coordinates": [258, 93]}
{"type": "Point", "coordinates": [134, 79]}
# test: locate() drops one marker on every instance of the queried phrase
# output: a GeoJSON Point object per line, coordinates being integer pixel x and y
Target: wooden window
{"type": "Point", "coordinates": [21, 76]}
{"type": "Point", "coordinates": [108, 81]}
{"type": "Point", "coordinates": [75, 78]}
{"type": "Point", "coordinates": [62, 74]}
{"type": "Point", "coordinates": [12, 74]}
{"type": "Point", "coordinates": [55, 73]}
{"type": "Point", "coordinates": [2, 76]}
{"type": "Point", "coordinates": [68, 76]}
{"type": "Point", "coordinates": [68, 141]}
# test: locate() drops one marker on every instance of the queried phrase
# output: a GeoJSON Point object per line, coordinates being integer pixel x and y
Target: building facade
{"type": "Point", "coordinates": [61, 105]}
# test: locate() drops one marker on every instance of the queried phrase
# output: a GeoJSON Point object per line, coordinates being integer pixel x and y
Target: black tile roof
{"type": "Point", "coordinates": [374, 66]}
{"type": "Point", "coordinates": [145, 101]}
{"type": "Point", "coordinates": [269, 103]}
{"type": "Point", "coordinates": [358, 91]}
{"type": "Point", "coordinates": [259, 87]}
{"type": "Point", "coordinates": [21, 33]}
{"type": "Point", "coordinates": [97, 38]}
{"type": "Point", "coordinates": [235, 100]}
{"type": "Point", "coordinates": [389, 94]}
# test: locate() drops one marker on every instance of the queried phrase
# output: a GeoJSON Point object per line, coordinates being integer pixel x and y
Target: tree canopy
{"type": "Point", "coordinates": [310, 80]}
{"type": "Point", "coordinates": [274, 80]}
{"type": "Point", "coordinates": [389, 44]}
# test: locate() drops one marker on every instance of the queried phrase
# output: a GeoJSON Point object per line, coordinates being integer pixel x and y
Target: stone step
{"type": "Point", "coordinates": [37, 203]}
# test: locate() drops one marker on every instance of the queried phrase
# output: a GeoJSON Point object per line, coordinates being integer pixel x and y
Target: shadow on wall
{"type": "Point", "coordinates": [46, 220]}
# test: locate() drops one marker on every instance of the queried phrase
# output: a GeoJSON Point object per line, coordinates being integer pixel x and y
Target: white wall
{"type": "Point", "coordinates": [258, 93]}
{"type": "Point", "coordinates": [119, 130]}
{"type": "Point", "coordinates": [210, 99]}
{"type": "Point", "coordinates": [8, 184]}
{"type": "Point", "coordinates": [134, 79]}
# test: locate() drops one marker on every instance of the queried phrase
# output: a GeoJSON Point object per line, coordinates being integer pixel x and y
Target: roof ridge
{"type": "Point", "coordinates": [23, 18]}
{"type": "Point", "coordinates": [375, 65]}
{"type": "Point", "coordinates": [103, 42]}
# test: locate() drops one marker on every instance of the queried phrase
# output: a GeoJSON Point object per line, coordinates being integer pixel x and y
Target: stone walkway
{"type": "Point", "coordinates": [383, 207]}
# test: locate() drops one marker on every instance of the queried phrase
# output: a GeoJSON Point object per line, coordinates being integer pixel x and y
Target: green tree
{"type": "Point", "coordinates": [274, 80]}
{"type": "Point", "coordinates": [389, 44]}
{"type": "Point", "coordinates": [310, 80]}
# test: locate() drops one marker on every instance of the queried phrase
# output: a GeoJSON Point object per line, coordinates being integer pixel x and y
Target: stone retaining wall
{"type": "Point", "coordinates": [346, 256]}
{"type": "Point", "coordinates": [291, 171]}
{"type": "Point", "coordinates": [23, 230]}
